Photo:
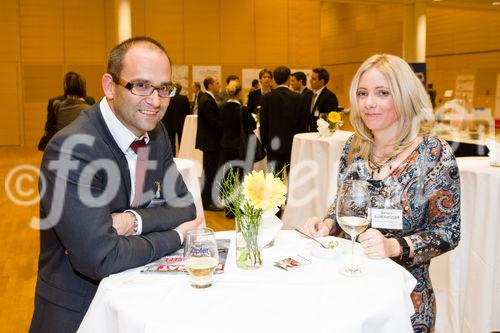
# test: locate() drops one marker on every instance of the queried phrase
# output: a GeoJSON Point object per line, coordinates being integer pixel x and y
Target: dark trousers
{"type": "Point", "coordinates": [210, 167]}
{"type": "Point", "coordinates": [52, 318]}
{"type": "Point", "coordinates": [276, 162]}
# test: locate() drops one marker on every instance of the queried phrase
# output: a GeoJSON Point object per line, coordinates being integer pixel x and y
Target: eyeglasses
{"type": "Point", "coordinates": [142, 88]}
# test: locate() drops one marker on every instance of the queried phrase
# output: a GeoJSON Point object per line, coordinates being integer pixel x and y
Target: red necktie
{"type": "Point", "coordinates": [140, 148]}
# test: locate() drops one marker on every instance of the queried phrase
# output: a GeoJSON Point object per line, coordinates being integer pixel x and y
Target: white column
{"type": "Point", "coordinates": [414, 31]}
{"type": "Point", "coordinates": [123, 20]}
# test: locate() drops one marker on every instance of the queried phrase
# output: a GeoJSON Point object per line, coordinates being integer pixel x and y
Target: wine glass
{"type": "Point", "coordinates": [353, 207]}
{"type": "Point", "coordinates": [201, 256]}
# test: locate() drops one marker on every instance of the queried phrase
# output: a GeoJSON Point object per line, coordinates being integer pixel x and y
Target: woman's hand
{"type": "Point", "coordinates": [377, 246]}
{"type": "Point", "coordinates": [315, 227]}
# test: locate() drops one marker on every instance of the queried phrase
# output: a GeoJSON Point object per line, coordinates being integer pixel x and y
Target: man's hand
{"type": "Point", "coordinates": [185, 227]}
{"type": "Point", "coordinates": [124, 223]}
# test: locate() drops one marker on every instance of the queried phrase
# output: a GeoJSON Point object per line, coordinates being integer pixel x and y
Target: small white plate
{"type": "Point", "coordinates": [322, 253]}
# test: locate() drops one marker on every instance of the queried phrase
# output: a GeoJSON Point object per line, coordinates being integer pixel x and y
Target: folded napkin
{"type": "Point", "coordinates": [494, 153]}
{"type": "Point", "coordinates": [323, 127]}
{"type": "Point", "coordinates": [271, 225]}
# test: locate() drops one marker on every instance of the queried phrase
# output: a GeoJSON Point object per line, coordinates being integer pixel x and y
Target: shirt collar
{"type": "Point", "coordinates": [282, 86]}
{"type": "Point", "coordinates": [234, 101]}
{"type": "Point", "coordinates": [317, 92]}
{"type": "Point", "coordinates": [121, 134]}
{"type": "Point", "coordinates": [302, 90]}
{"type": "Point", "coordinates": [210, 93]}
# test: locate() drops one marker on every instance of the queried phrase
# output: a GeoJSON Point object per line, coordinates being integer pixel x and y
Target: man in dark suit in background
{"type": "Point", "coordinates": [174, 118]}
{"type": "Point", "coordinates": [196, 96]}
{"type": "Point", "coordinates": [255, 96]}
{"type": "Point", "coordinates": [281, 117]}
{"type": "Point", "coordinates": [322, 101]}
{"type": "Point", "coordinates": [298, 82]}
{"type": "Point", "coordinates": [208, 138]}
{"type": "Point", "coordinates": [97, 216]}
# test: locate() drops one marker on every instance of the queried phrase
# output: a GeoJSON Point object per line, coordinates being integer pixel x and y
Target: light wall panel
{"type": "Point", "coordinates": [165, 22]}
{"type": "Point", "coordinates": [138, 12]}
{"type": "Point", "coordinates": [202, 32]}
{"type": "Point", "coordinates": [41, 82]}
{"type": "Point", "coordinates": [304, 38]}
{"type": "Point", "coordinates": [42, 30]}
{"type": "Point", "coordinates": [84, 35]}
{"type": "Point", "coordinates": [237, 32]}
{"type": "Point", "coordinates": [9, 25]}
{"type": "Point", "coordinates": [352, 32]}
{"type": "Point", "coordinates": [35, 115]}
{"type": "Point", "coordinates": [10, 129]}
{"type": "Point", "coordinates": [93, 75]}
{"type": "Point", "coordinates": [271, 32]}
{"type": "Point", "coordinates": [454, 30]}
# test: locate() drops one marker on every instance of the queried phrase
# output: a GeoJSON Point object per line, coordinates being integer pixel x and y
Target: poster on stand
{"type": "Point", "coordinates": [248, 75]}
{"type": "Point", "coordinates": [201, 72]}
{"type": "Point", "coordinates": [464, 88]}
{"type": "Point", "coordinates": [180, 75]}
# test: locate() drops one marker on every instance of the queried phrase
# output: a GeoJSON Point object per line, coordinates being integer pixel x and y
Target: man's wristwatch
{"type": "Point", "coordinates": [405, 248]}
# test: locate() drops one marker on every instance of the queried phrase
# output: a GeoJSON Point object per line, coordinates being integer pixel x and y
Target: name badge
{"type": "Point", "coordinates": [387, 218]}
{"type": "Point", "coordinates": [316, 113]}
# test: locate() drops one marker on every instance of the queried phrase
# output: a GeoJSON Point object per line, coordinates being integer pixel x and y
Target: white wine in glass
{"type": "Point", "coordinates": [353, 212]}
{"type": "Point", "coordinates": [201, 256]}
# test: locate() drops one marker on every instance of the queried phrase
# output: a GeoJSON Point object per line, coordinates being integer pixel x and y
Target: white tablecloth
{"type": "Point", "coordinates": [187, 148]}
{"type": "Point", "coordinates": [314, 298]}
{"type": "Point", "coordinates": [189, 173]}
{"type": "Point", "coordinates": [467, 280]}
{"type": "Point", "coordinates": [313, 175]}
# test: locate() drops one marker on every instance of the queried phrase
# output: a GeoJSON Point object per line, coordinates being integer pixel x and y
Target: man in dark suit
{"type": "Point", "coordinates": [322, 101]}
{"type": "Point", "coordinates": [255, 96]}
{"type": "Point", "coordinates": [208, 138]}
{"type": "Point", "coordinates": [280, 119]}
{"type": "Point", "coordinates": [174, 118]}
{"type": "Point", "coordinates": [196, 96]}
{"type": "Point", "coordinates": [97, 215]}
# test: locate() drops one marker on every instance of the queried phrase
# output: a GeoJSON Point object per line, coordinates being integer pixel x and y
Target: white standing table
{"type": "Point", "coordinates": [187, 148]}
{"type": "Point", "coordinates": [313, 175]}
{"type": "Point", "coordinates": [189, 174]}
{"type": "Point", "coordinates": [313, 298]}
{"type": "Point", "coordinates": [467, 279]}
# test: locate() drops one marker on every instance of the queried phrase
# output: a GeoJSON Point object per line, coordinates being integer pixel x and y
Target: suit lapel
{"type": "Point", "coordinates": [119, 157]}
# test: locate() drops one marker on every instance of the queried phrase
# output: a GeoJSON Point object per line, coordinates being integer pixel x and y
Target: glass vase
{"type": "Point", "coordinates": [248, 250]}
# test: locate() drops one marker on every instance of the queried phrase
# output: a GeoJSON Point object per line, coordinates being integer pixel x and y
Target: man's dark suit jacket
{"type": "Point", "coordinates": [281, 117]}
{"type": "Point", "coordinates": [209, 124]}
{"type": "Point", "coordinates": [254, 100]}
{"type": "Point", "coordinates": [176, 112]}
{"type": "Point", "coordinates": [326, 102]}
{"type": "Point", "coordinates": [82, 247]}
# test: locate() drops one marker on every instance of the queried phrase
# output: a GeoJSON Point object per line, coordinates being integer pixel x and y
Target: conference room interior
{"type": "Point", "coordinates": [43, 40]}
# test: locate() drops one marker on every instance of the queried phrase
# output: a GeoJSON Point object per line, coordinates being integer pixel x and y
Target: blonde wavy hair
{"type": "Point", "coordinates": [412, 104]}
{"type": "Point", "coordinates": [233, 89]}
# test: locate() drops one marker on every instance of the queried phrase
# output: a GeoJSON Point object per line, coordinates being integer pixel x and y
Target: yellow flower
{"type": "Point", "coordinates": [263, 191]}
{"type": "Point", "coordinates": [334, 117]}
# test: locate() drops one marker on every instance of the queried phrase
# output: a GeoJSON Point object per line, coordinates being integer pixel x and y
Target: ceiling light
{"type": "Point", "coordinates": [496, 3]}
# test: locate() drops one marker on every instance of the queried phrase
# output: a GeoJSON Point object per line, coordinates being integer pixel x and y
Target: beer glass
{"type": "Point", "coordinates": [201, 256]}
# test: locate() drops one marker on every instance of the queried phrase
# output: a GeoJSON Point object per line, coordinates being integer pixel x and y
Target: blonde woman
{"type": "Point", "coordinates": [416, 172]}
